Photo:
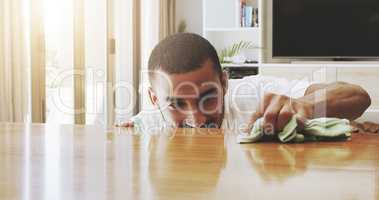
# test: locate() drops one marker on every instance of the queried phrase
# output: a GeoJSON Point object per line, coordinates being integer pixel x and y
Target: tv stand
{"type": "Point", "coordinates": [344, 59]}
{"type": "Point", "coordinates": [351, 61]}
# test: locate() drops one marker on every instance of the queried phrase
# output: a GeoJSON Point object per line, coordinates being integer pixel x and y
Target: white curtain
{"type": "Point", "coordinates": [166, 18]}
{"type": "Point", "coordinates": [136, 27]}
{"type": "Point", "coordinates": [14, 64]}
{"type": "Point", "coordinates": [158, 22]}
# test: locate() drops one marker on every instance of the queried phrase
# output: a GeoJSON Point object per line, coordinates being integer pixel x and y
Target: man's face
{"type": "Point", "coordinates": [193, 99]}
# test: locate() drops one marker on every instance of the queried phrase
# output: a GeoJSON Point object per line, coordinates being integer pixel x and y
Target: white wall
{"type": "Point", "coordinates": [192, 12]}
{"type": "Point", "coordinates": [220, 14]}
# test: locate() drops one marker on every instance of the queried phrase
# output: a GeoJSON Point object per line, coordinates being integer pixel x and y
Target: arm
{"type": "Point", "coordinates": [127, 124]}
{"type": "Point", "coordinates": [339, 99]}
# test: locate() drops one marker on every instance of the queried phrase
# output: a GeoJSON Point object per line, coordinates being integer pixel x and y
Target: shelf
{"type": "Point", "coordinates": [306, 65]}
{"type": "Point", "coordinates": [320, 65]}
{"type": "Point", "coordinates": [240, 65]}
{"type": "Point", "coordinates": [232, 29]}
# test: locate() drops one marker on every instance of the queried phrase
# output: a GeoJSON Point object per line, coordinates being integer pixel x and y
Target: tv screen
{"type": "Point", "coordinates": [326, 28]}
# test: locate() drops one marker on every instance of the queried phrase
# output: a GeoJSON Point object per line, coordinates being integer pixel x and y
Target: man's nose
{"type": "Point", "coordinates": [196, 119]}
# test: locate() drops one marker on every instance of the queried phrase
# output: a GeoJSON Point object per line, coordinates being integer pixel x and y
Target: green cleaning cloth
{"type": "Point", "coordinates": [320, 129]}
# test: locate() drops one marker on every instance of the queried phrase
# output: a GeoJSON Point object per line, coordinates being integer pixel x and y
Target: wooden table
{"type": "Point", "coordinates": [72, 162]}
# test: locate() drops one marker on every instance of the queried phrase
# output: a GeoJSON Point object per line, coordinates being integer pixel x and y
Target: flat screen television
{"type": "Point", "coordinates": [326, 28]}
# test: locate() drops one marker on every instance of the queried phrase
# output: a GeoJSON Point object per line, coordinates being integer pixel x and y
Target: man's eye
{"type": "Point", "coordinates": [208, 99]}
{"type": "Point", "coordinates": [177, 105]}
{"type": "Point", "coordinates": [208, 103]}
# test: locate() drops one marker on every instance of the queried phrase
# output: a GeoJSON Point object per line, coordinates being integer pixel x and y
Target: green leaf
{"type": "Point", "coordinates": [234, 49]}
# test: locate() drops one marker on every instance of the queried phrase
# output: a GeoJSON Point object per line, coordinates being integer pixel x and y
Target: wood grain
{"type": "Point", "coordinates": [86, 162]}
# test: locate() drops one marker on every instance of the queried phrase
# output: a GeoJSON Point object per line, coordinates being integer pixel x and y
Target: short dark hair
{"type": "Point", "coordinates": [181, 53]}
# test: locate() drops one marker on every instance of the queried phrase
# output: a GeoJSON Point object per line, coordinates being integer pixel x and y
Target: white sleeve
{"type": "Point", "coordinates": [291, 88]}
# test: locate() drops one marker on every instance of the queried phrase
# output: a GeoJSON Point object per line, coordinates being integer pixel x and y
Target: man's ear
{"type": "Point", "coordinates": [153, 97]}
{"type": "Point", "coordinates": [224, 81]}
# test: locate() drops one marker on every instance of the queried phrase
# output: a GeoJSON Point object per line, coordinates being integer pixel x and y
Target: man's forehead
{"type": "Point", "coordinates": [192, 92]}
{"type": "Point", "coordinates": [190, 83]}
{"type": "Point", "coordinates": [187, 90]}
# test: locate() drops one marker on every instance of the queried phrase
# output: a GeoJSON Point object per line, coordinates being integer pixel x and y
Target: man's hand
{"type": "Point", "coordinates": [127, 124]}
{"type": "Point", "coordinates": [277, 111]}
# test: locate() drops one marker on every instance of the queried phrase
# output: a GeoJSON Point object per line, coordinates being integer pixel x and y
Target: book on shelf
{"type": "Point", "coordinates": [255, 18]}
{"type": "Point", "coordinates": [248, 15]}
{"type": "Point", "coordinates": [242, 12]}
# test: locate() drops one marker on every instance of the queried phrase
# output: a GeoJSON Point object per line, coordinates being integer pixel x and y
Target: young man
{"type": "Point", "coordinates": [189, 89]}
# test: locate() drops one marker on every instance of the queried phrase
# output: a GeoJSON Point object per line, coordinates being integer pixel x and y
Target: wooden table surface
{"type": "Point", "coordinates": [71, 162]}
